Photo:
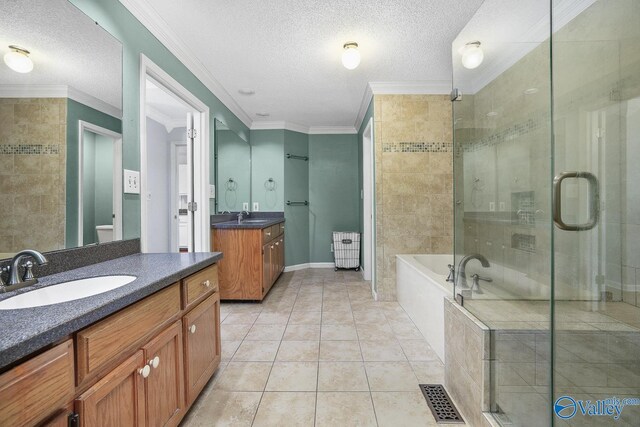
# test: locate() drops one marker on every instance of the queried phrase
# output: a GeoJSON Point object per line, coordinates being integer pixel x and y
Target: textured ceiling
{"type": "Point", "coordinates": [289, 51]}
{"type": "Point", "coordinates": [67, 48]}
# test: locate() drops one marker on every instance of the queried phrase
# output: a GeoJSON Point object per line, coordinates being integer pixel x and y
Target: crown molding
{"type": "Point", "coordinates": [332, 130]}
{"type": "Point", "coordinates": [364, 106]}
{"type": "Point", "coordinates": [149, 18]}
{"type": "Point", "coordinates": [59, 91]}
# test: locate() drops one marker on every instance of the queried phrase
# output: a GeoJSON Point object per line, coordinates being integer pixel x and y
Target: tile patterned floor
{"type": "Point", "coordinates": [318, 351]}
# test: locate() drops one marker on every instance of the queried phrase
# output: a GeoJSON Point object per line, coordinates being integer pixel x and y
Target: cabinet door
{"type": "Point", "coordinates": [117, 399]}
{"type": "Point", "coordinates": [281, 257]}
{"type": "Point", "coordinates": [201, 345]}
{"type": "Point", "coordinates": [266, 268]}
{"type": "Point", "coordinates": [165, 383]}
{"type": "Point", "coordinates": [37, 388]}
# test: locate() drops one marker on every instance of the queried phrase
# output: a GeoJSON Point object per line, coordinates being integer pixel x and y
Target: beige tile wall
{"type": "Point", "coordinates": [413, 162]}
{"type": "Point", "coordinates": [32, 173]}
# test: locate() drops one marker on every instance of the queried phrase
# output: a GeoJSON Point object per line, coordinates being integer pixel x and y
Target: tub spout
{"type": "Point", "coordinates": [461, 277]}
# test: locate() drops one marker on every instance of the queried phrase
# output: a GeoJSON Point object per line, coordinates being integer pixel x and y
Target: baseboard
{"type": "Point", "coordinates": [322, 265]}
{"type": "Point", "coordinates": [308, 265]}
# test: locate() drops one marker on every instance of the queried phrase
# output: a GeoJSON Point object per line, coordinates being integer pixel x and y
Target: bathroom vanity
{"type": "Point", "coordinates": [253, 256]}
{"type": "Point", "coordinates": [136, 355]}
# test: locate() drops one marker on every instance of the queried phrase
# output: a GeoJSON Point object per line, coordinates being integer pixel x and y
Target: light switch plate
{"type": "Point", "coordinates": [245, 206]}
{"type": "Point", "coordinates": [212, 191]}
{"type": "Point", "coordinates": [256, 206]}
{"type": "Point", "coordinates": [131, 182]}
{"type": "Point", "coordinates": [492, 206]}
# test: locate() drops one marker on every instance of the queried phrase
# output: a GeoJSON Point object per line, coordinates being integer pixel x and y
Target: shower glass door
{"type": "Point", "coordinates": [503, 174]}
{"type": "Point", "coordinates": [596, 120]}
{"type": "Point", "coordinates": [547, 207]}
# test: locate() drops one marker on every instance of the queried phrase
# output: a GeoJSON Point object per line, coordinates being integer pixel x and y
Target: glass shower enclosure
{"type": "Point", "coordinates": [547, 205]}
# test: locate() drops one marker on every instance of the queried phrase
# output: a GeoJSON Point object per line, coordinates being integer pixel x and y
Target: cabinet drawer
{"type": "Point", "coordinates": [102, 343]}
{"type": "Point", "coordinates": [36, 389]}
{"type": "Point", "coordinates": [267, 234]}
{"type": "Point", "coordinates": [281, 228]}
{"type": "Point", "coordinates": [199, 285]}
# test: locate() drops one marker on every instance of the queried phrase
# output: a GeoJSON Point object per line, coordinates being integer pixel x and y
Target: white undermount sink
{"type": "Point", "coordinates": [254, 221]}
{"type": "Point", "coordinates": [66, 291]}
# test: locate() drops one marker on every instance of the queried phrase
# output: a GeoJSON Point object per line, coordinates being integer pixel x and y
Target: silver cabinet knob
{"type": "Point", "coordinates": [145, 371]}
{"type": "Point", "coordinates": [155, 362]}
{"type": "Point", "coordinates": [206, 283]}
{"type": "Point", "coordinates": [192, 329]}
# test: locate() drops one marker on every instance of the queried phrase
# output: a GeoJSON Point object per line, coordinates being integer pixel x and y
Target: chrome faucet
{"type": "Point", "coordinates": [462, 276]}
{"type": "Point", "coordinates": [15, 281]}
{"type": "Point", "coordinates": [240, 217]}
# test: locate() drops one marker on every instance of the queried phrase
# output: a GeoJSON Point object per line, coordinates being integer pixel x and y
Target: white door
{"type": "Point", "coordinates": [367, 203]}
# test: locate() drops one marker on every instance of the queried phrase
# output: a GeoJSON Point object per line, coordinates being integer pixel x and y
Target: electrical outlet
{"type": "Point", "coordinates": [245, 206]}
{"type": "Point", "coordinates": [212, 191]}
{"type": "Point", "coordinates": [131, 182]}
{"type": "Point", "coordinates": [492, 206]}
{"type": "Point", "coordinates": [332, 247]}
{"type": "Point", "coordinates": [256, 206]}
{"type": "Point", "coordinates": [503, 207]}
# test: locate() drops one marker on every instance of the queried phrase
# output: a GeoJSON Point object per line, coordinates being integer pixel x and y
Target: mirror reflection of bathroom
{"type": "Point", "coordinates": [169, 167]}
{"type": "Point", "coordinates": [101, 185]}
{"type": "Point", "coordinates": [233, 166]}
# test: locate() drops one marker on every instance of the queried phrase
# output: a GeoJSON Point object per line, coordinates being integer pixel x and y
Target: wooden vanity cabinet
{"type": "Point", "coordinates": [136, 367]}
{"type": "Point", "coordinates": [253, 260]}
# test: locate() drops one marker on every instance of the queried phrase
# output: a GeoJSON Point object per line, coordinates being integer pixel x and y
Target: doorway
{"type": "Point", "coordinates": [368, 239]}
{"type": "Point", "coordinates": [174, 153]}
{"type": "Point", "coordinates": [99, 184]}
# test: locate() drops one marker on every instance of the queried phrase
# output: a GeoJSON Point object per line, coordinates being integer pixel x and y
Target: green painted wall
{"type": "Point", "coordinates": [136, 39]}
{"type": "Point", "coordinates": [267, 161]}
{"type": "Point", "coordinates": [296, 188]}
{"type": "Point", "coordinates": [76, 112]}
{"type": "Point", "coordinates": [368, 115]}
{"type": "Point", "coordinates": [334, 192]}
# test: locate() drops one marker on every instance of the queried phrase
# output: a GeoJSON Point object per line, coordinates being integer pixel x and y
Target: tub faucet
{"type": "Point", "coordinates": [462, 276]}
{"type": "Point", "coordinates": [451, 276]}
{"type": "Point", "coordinates": [27, 278]}
{"type": "Point", "coordinates": [476, 278]}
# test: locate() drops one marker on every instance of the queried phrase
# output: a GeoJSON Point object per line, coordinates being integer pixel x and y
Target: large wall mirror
{"type": "Point", "coordinates": [233, 170]}
{"type": "Point", "coordinates": [60, 128]}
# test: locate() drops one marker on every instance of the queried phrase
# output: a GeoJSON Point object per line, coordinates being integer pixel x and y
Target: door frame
{"type": "Point", "coordinates": [202, 241]}
{"type": "Point", "coordinates": [368, 204]}
{"type": "Point", "coordinates": [117, 176]}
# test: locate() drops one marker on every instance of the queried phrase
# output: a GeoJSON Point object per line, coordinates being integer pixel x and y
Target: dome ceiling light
{"type": "Point", "coordinates": [350, 56]}
{"type": "Point", "coordinates": [18, 59]}
{"type": "Point", "coordinates": [472, 55]}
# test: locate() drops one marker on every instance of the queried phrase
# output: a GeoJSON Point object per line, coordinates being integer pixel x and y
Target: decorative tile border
{"type": "Point", "coordinates": [417, 147]}
{"type": "Point", "coordinates": [38, 149]}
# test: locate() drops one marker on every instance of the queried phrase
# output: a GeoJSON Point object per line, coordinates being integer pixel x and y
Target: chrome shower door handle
{"type": "Point", "coordinates": [594, 201]}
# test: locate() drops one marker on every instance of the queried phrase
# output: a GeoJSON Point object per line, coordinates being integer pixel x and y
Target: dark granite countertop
{"type": "Point", "coordinates": [25, 331]}
{"type": "Point", "coordinates": [264, 223]}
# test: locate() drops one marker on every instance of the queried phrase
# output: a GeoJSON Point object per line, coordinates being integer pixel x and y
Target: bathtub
{"type": "Point", "coordinates": [421, 290]}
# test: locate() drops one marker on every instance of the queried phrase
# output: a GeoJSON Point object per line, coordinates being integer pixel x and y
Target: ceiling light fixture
{"type": "Point", "coordinates": [18, 59]}
{"type": "Point", "coordinates": [472, 55]}
{"type": "Point", "coordinates": [350, 56]}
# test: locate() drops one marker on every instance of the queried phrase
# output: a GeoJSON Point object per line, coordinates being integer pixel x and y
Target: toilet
{"type": "Point", "coordinates": [105, 233]}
